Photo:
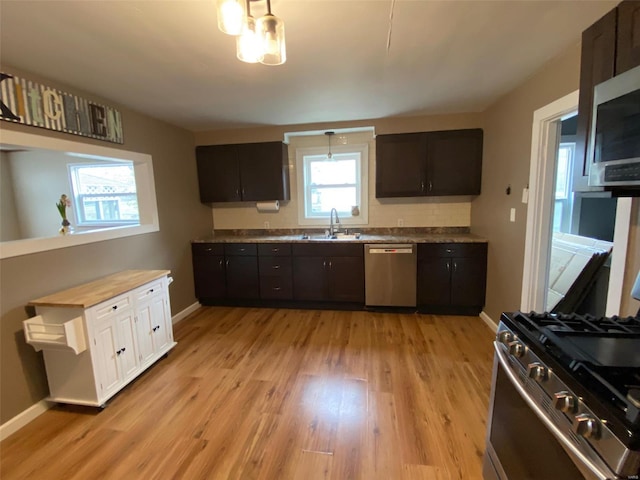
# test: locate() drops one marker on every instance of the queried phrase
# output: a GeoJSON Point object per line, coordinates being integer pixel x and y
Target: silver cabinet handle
{"type": "Point", "coordinates": [227, 262]}
{"type": "Point", "coordinates": [455, 267]}
{"type": "Point", "coordinates": [277, 289]}
{"type": "Point", "coordinates": [422, 185]}
{"type": "Point", "coordinates": [324, 264]}
{"type": "Point", "coordinates": [274, 250]}
{"type": "Point", "coordinates": [449, 250]}
{"type": "Point", "coordinates": [330, 264]}
{"type": "Point", "coordinates": [448, 265]}
{"type": "Point", "coordinates": [276, 267]}
{"type": "Point", "coordinates": [208, 249]}
{"type": "Point", "coordinates": [430, 185]}
{"type": "Point", "coordinates": [220, 263]}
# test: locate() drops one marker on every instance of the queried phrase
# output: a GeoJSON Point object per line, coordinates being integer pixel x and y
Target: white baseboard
{"type": "Point", "coordinates": [23, 418]}
{"type": "Point", "coordinates": [185, 313]}
{"type": "Point", "coordinates": [489, 321]}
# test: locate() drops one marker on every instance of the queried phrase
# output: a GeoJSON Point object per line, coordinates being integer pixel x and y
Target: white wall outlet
{"type": "Point", "coordinates": [512, 215]}
{"type": "Point", "coordinates": [266, 225]}
{"type": "Point", "coordinates": [400, 222]}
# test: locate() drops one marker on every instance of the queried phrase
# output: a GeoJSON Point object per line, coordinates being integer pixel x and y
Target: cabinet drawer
{"type": "Point", "coordinates": [240, 249]}
{"type": "Point", "coordinates": [324, 250]}
{"type": "Point", "coordinates": [276, 288]}
{"type": "Point", "coordinates": [274, 266]}
{"type": "Point", "coordinates": [448, 250]}
{"type": "Point", "coordinates": [149, 290]}
{"type": "Point", "coordinates": [274, 249]}
{"type": "Point", "coordinates": [199, 249]}
{"type": "Point", "coordinates": [113, 306]}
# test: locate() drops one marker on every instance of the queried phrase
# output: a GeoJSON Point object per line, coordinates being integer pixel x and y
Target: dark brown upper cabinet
{"type": "Point", "coordinates": [628, 36]}
{"type": "Point", "coordinates": [610, 46]}
{"type": "Point", "coordinates": [429, 163]}
{"type": "Point", "coordinates": [245, 172]}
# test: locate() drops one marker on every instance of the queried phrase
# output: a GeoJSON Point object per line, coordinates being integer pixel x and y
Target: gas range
{"type": "Point", "coordinates": [586, 373]}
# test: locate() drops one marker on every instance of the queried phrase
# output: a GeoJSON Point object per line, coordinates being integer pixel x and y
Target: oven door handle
{"type": "Point", "coordinates": [599, 473]}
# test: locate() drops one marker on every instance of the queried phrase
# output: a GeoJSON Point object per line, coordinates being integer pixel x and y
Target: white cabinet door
{"type": "Point", "coordinates": [162, 329]}
{"type": "Point", "coordinates": [127, 348]}
{"type": "Point", "coordinates": [108, 376]}
{"type": "Point", "coordinates": [144, 325]}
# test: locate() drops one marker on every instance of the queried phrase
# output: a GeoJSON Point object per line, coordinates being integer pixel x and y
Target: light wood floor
{"type": "Point", "coordinates": [283, 394]}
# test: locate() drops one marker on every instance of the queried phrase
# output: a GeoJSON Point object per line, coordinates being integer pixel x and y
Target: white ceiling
{"type": "Point", "coordinates": [169, 60]}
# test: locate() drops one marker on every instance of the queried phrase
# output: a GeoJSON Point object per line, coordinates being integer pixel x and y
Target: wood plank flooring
{"type": "Point", "coordinates": [283, 394]}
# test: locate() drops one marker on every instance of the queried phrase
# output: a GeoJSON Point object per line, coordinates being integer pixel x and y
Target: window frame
{"type": "Point", "coordinates": [362, 180]}
{"type": "Point", "coordinates": [80, 221]}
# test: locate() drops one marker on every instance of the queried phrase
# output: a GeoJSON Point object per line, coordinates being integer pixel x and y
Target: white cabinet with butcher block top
{"type": "Point", "coordinates": [98, 337]}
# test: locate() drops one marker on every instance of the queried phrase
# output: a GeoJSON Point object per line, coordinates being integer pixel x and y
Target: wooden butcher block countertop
{"type": "Point", "coordinates": [92, 293]}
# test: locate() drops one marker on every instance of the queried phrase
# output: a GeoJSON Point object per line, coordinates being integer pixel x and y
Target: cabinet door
{"type": "Point", "coordinates": [162, 328]}
{"type": "Point", "coordinates": [144, 325]}
{"type": "Point", "coordinates": [628, 38]}
{"type": "Point", "coordinates": [346, 279]}
{"type": "Point", "coordinates": [208, 271]}
{"type": "Point", "coordinates": [400, 165]}
{"type": "Point", "coordinates": [454, 162]}
{"type": "Point", "coordinates": [107, 366]}
{"type": "Point", "coordinates": [218, 173]}
{"type": "Point", "coordinates": [126, 351]}
{"type": "Point", "coordinates": [309, 278]}
{"type": "Point", "coordinates": [468, 281]}
{"type": "Point", "coordinates": [242, 277]}
{"type": "Point", "coordinates": [434, 281]}
{"type": "Point", "coordinates": [264, 171]}
{"type": "Point", "coordinates": [596, 65]}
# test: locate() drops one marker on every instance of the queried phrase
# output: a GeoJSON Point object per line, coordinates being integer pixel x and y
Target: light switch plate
{"type": "Point", "coordinates": [512, 215]}
{"type": "Point", "coordinates": [525, 195]}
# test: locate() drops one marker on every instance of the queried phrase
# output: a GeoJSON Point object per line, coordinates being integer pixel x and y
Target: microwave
{"type": "Point", "coordinates": [614, 141]}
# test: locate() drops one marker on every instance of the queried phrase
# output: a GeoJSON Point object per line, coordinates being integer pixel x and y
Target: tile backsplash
{"type": "Point", "coordinates": [383, 213]}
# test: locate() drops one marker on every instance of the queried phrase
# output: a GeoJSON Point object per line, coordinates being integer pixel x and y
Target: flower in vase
{"type": "Point", "coordinates": [62, 205]}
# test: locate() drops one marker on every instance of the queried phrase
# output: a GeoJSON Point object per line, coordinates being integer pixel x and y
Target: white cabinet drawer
{"type": "Point", "coordinates": [149, 290]}
{"type": "Point", "coordinates": [113, 306]}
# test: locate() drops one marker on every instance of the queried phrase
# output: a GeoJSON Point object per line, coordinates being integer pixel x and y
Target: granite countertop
{"type": "Point", "coordinates": [392, 236]}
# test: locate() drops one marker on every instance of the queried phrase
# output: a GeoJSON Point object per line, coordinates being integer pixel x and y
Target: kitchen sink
{"type": "Point", "coordinates": [337, 236]}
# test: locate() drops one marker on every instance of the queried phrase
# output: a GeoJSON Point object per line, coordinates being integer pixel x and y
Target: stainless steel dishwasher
{"type": "Point", "coordinates": [390, 275]}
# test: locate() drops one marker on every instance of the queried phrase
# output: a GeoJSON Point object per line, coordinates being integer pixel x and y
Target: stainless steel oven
{"type": "Point", "coordinates": [540, 429]}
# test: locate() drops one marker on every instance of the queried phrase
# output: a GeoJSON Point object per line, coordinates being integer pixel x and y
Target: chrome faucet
{"type": "Point", "coordinates": [332, 228]}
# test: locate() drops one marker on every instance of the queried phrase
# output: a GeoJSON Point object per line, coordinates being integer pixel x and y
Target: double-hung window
{"type": "Point", "coordinates": [104, 194]}
{"type": "Point", "coordinates": [338, 181]}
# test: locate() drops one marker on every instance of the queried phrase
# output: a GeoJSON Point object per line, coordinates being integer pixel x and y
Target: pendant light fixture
{"type": "Point", "coordinates": [329, 134]}
{"type": "Point", "coordinates": [259, 40]}
{"type": "Point", "coordinates": [249, 46]}
{"type": "Point", "coordinates": [231, 14]}
{"type": "Point", "coordinates": [271, 29]}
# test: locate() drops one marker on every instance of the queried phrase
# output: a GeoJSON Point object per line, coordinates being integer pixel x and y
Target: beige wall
{"type": "Point", "coordinates": [506, 161]}
{"type": "Point", "coordinates": [415, 212]}
{"type": "Point", "coordinates": [182, 217]}
{"type": "Point", "coordinates": [630, 306]}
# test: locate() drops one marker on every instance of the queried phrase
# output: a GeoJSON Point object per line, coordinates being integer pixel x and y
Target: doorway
{"type": "Point", "coordinates": [543, 216]}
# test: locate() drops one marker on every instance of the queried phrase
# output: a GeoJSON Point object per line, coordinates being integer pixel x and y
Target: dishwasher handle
{"type": "Point", "coordinates": [390, 249]}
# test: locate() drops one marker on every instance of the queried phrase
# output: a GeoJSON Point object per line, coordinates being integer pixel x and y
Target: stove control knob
{"type": "Point", "coordinates": [565, 402]}
{"type": "Point", "coordinates": [587, 426]}
{"type": "Point", "coordinates": [516, 349]}
{"type": "Point", "coordinates": [537, 371]}
{"type": "Point", "coordinates": [505, 337]}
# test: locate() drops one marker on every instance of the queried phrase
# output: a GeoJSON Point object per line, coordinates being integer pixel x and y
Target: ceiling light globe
{"type": "Point", "coordinates": [271, 31]}
{"type": "Point", "coordinates": [249, 46]}
{"type": "Point", "coordinates": [231, 15]}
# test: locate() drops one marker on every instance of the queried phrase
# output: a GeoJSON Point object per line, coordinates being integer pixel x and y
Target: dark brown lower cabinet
{"type": "Point", "coordinates": [328, 273]}
{"type": "Point", "coordinates": [241, 266]}
{"type": "Point", "coordinates": [452, 277]}
{"type": "Point", "coordinates": [209, 270]}
{"type": "Point", "coordinates": [274, 265]}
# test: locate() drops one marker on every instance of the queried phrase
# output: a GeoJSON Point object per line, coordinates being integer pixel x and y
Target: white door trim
{"type": "Point", "coordinates": [544, 142]}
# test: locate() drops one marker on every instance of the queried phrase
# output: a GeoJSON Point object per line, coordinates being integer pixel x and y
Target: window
{"type": "Point", "coordinates": [338, 182]}
{"type": "Point", "coordinates": [104, 195]}
{"type": "Point", "coordinates": [563, 196]}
